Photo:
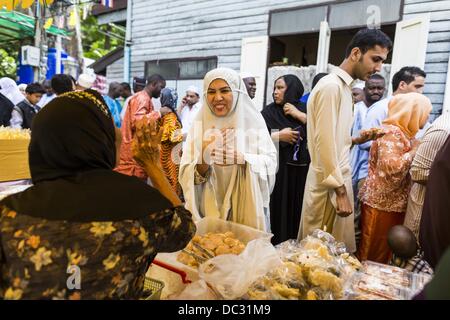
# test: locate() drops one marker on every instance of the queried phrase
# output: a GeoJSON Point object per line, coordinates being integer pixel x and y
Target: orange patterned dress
{"type": "Point", "coordinates": [384, 195]}
{"type": "Point", "coordinates": [171, 148]}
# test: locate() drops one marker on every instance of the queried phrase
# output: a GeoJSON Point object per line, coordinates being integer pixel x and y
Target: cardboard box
{"type": "Point", "coordinates": [14, 160]}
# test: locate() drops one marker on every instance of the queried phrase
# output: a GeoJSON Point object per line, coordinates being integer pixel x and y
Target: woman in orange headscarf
{"type": "Point", "coordinates": [384, 195]}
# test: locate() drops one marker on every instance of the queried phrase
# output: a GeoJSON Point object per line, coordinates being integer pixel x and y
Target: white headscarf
{"type": "Point", "coordinates": [239, 193]}
{"type": "Point", "coordinates": [246, 75]}
{"type": "Point", "coordinates": [10, 90]}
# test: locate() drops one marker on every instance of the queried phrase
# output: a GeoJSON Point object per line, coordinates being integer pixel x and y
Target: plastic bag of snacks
{"type": "Point", "coordinates": [383, 282]}
{"type": "Point", "coordinates": [215, 237]}
{"type": "Point", "coordinates": [231, 275]}
{"type": "Point", "coordinates": [317, 268]}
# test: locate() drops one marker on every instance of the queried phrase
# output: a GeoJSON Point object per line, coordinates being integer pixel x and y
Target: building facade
{"type": "Point", "coordinates": [182, 39]}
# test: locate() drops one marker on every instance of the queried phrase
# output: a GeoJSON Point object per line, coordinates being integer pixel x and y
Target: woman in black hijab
{"type": "Point", "coordinates": [287, 115]}
{"type": "Point", "coordinates": [6, 108]}
{"type": "Point", "coordinates": [80, 213]}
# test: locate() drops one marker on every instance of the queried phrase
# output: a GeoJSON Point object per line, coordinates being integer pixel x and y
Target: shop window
{"type": "Point", "coordinates": [179, 69]}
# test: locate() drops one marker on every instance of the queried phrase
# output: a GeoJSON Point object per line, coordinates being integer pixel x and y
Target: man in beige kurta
{"type": "Point", "coordinates": [328, 198]}
{"type": "Point", "coordinates": [330, 120]}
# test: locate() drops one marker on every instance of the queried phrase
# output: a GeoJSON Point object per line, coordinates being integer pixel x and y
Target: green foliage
{"type": "Point", "coordinates": [95, 43]}
{"type": "Point", "coordinates": [8, 64]}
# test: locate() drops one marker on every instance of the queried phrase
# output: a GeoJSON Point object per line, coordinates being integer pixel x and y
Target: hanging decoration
{"type": "Point", "coordinates": [10, 5]}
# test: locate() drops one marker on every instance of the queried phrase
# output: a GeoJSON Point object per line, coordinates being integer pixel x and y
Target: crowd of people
{"type": "Point", "coordinates": [127, 180]}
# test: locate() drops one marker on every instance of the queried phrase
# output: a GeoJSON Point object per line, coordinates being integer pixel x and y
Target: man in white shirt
{"type": "Point", "coordinates": [189, 108]}
{"type": "Point", "coordinates": [408, 79]}
{"type": "Point", "coordinates": [373, 91]}
{"type": "Point", "coordinates": [48, 96]}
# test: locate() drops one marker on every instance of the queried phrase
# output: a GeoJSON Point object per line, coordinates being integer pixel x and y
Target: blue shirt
{"type": "Point", "coordinates": [359, 115]}
{"type": "Point", "coordinates": [305, 98]}
{"type": "Point", "coordinates": [114, 107]}
{"type": "Point", "coordinates": [375, 116]}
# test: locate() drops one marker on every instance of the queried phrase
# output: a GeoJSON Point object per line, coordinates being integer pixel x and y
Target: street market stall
{"type": "Point", "coordinates": [14, 169]}
{"type": "Point", "coordinates": [229, 261]}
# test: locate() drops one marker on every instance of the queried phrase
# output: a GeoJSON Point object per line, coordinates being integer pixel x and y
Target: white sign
{"type": "Point", "coordinates": [31, 56]}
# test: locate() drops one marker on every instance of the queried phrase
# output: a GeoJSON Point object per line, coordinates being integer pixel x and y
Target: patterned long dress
{"type": "Point", "coordinates": [384, 195]}
{"type": "Point", "coordinates": [108, 259]}
{"type": "Point", "coordinates": [170, 149]}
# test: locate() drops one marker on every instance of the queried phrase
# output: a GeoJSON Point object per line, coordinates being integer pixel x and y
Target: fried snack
{"type": "Point", "coordinates": [352, 261]}
{"type": "Point", "coordinates": [285, 291]}
{"type": "Point", "coordinates": [186, 259]}
{"type": "Point", "coordinates": [327, 281]}
{"type": "Point", "coordinates": [8, 133]}
{"type": "Point", "coordinates": [311, 295]}
{"type": "Point", "coordinates": [211, 244]}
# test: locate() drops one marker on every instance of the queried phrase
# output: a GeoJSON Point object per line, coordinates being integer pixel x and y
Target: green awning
{"type": "Point", "coordinates": [16, 26]}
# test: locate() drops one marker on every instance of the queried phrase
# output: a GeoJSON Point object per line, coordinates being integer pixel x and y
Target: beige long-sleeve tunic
{"type": "Point", "coordinates": [330, 119]}
{"type": "Point", "coordinates": [431, 143]}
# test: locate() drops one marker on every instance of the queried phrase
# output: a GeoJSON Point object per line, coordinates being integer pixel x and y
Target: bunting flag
{"type": "Point", "coordinates": [108, 3]}
{"type": "Point", "coordinates": [86, 10]}
{"type": "Point", "coordinates": [10, 5]}
{"type": "Point", "coordinates": [27, 3]}
{"type": "Point", "coordinates": [48, 23]}
{"type": "Point", "coordinates": [72, 20]}
{"type": "Point", "coordinates": [59, 21]}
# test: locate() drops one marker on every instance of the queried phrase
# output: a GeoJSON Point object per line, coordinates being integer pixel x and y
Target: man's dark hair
{"type": "Point", "coordinates": [138, 81]}
{"type": "Point", "coordinates": [317, 78]}
{"type": "Point", "coordinates": [35, 88]}
{"type": "Point", "coordinates": [47, 84]}
{"type": "Point", "coordinates": [406, 74]}
{"type": "Point", "coordinates": [376, 76]}
{"type": "Point", "coordinates": [126, 86]}
{"type": "Point", "coordinates": [366, 39]}
{"type": "Point", "coordinates": [62, 83]}
{"type": "Point", "coordinates": [154, 78]}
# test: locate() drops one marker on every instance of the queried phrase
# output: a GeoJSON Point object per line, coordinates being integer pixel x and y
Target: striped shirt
{"type": "Point", "coordinates": [432, 142]}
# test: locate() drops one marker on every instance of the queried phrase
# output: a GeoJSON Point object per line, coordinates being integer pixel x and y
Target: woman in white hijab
{"type": "Point", "coordinates": [9, 89]}
{"type": "Point", "coordinates": [229, 162]}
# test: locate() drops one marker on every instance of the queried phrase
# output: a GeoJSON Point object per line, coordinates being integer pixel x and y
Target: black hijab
{"type": "Point", "coordinates": [276, 119]}
{"type": "Point", "coordinates": [6, 108]}
{"type": "Point", "coordinates": [71, 156]}
{"type": "Point", "coordinates": [274, 114]}
{"type": "Point", "coordinates": [169, 99]}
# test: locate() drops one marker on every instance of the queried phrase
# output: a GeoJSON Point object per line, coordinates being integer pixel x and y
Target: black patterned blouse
{"type": "Point", "coordinates": [42, 259]}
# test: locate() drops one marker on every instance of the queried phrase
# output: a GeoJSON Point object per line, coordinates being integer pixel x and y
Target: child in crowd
{"type": "Point", "coordinates": [406, 253]}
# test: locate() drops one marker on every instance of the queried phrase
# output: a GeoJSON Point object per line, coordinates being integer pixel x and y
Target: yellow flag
{"type": "Point", "coordinates": [72, 20]}
{"type": "Point", "coordinates": [48, 23]}
{"type": "Point", "coordinates": [8, 4]}
{"type": "Point", "coordinates": [27, 3]}
{"type": "Point", "coordinates": [11, 4]}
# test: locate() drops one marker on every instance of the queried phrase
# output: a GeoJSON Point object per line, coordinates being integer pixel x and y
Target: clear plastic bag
{"type": "Point", "coordinates": [316, 268]}
{"type": "Point", "coordinates": [231, 275]}
{"type": "Point", "coordinates": [198, 290]}
{"type": "Point", "coordinates": [378, 281]}
{"type": "Point", "coordinates": [241, 232]}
